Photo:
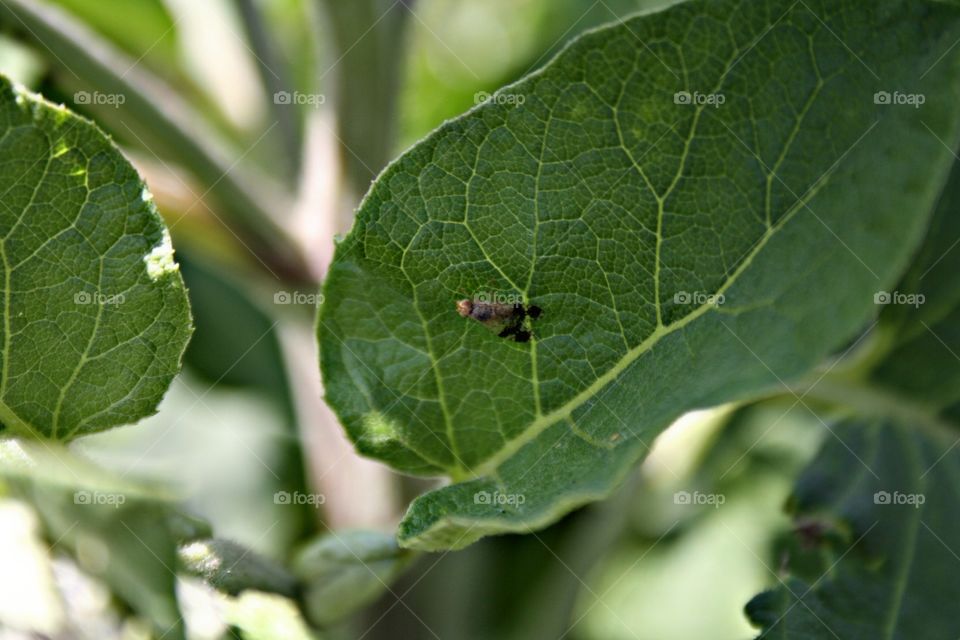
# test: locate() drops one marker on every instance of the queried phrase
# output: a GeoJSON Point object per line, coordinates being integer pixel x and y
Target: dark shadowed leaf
{"type": "Point", "coordinates": [891, 489]}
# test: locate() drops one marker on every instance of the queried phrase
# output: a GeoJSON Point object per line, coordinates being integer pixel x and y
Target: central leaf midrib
{"type": "Point", "coordinates": [540, 424]}
{"type": "Point", "coordinates": [542, 421]}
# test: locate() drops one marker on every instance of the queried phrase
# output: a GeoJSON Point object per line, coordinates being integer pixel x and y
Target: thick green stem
{"type": "Point", "coordinates": [159, 118]}
{"type": "Point", "coordinates": [274, 76]}
{"type": "Point", "coordinates": [367, 68]}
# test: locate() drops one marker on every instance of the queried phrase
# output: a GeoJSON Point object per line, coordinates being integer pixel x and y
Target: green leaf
{"type": "Point", "coordinates": [884, 570]}
{"type": "Point", "coordinates": [140, 107]}
{"type": "Point", "coordinates": [486, 45]}
{"type": "Point", "coordinates": [143, 28]}
{"type": "Point", "coordinates": [235, 343]}
{"type": "Point", "coordinates": [232, 568]}
{"type": "Point", "coordinates": [342, 572]}
{"type": "Point", "coordinates": [95, 315]}
{"type": "Point", "coordinates": [118, 530]}
{"type": "Point", "coordinates": [891, 488]}
{"type": "Point", "coordinates": [267, 616]}
{"type": "Point", "coordinates": [918, 355]}
{"type": "Point", "coordinates": [623, 214]}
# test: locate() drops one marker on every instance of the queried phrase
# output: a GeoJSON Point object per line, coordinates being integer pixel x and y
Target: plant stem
{"type": "Point", "coordinates": [367, 68]}
{"type": "Point", "coordinates": [158, 115]}
{"type": "Point", "coordinates": [861, 398]}
{"type": "Point", "coordinates": [275, 79]}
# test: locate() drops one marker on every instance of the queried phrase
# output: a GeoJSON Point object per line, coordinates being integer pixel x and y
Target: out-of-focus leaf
{"type": "Point", "coordinates": [875, 552]}
{"type": "Point", "coordinates": [186, 528]}
{"type": "Point", "coordinates": [267, 616]}
{"type": "Point", "coordinates": [142, 28]}
{"type": "Point", "coordinates": [459, 50]}
{"type": "Point", "coordinates": [892, 488]}
{"type": "Point", "coordinates": [116, 529]}
{"type": "Point", "coordinates": [224, 451]}
{"type": "Point", "coordinates": [919, 328]}
{"type": "Point", "coordinates": [233, 568]}
{"type": "Point", "coordinates": [683, 254]}
{"type": "Point", "coordinates": [235, 342]}
{"type": "Point", "coordinates": [95, 315]}
{"type": "Point", "coordinates": [344, 571]}
{"type": "Point", "coordinates": [701, 527]}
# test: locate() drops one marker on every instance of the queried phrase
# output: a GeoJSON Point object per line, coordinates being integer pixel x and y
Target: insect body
{"type": "Point", "coordinates": [489, 312]}
{"type": "Point", "coordinates": [505, 318]}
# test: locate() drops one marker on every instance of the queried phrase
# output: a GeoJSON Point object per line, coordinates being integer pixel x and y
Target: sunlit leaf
{"type": "Point", "coordinates": [95, 316]}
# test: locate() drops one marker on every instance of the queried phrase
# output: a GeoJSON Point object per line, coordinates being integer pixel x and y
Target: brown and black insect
{"type": "Point", "coordinates": [505, 318]}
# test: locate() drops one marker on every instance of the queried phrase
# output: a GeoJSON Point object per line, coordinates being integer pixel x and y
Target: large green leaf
{"type": "Point", "coordinates": [890, 490]}
{"type": "Point", "coordinates": [620, 211]}
{"type": "Point", "coordinates": [886, 563]}
{"type": "Point", "coordinates": [95, 316]}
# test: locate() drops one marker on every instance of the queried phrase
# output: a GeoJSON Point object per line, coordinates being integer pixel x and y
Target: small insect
{"type": "Point", "coordinates": [507, 319]}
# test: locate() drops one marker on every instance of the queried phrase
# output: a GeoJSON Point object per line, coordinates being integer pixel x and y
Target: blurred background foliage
{"type": "Point", "coordinates": [254, 202]}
